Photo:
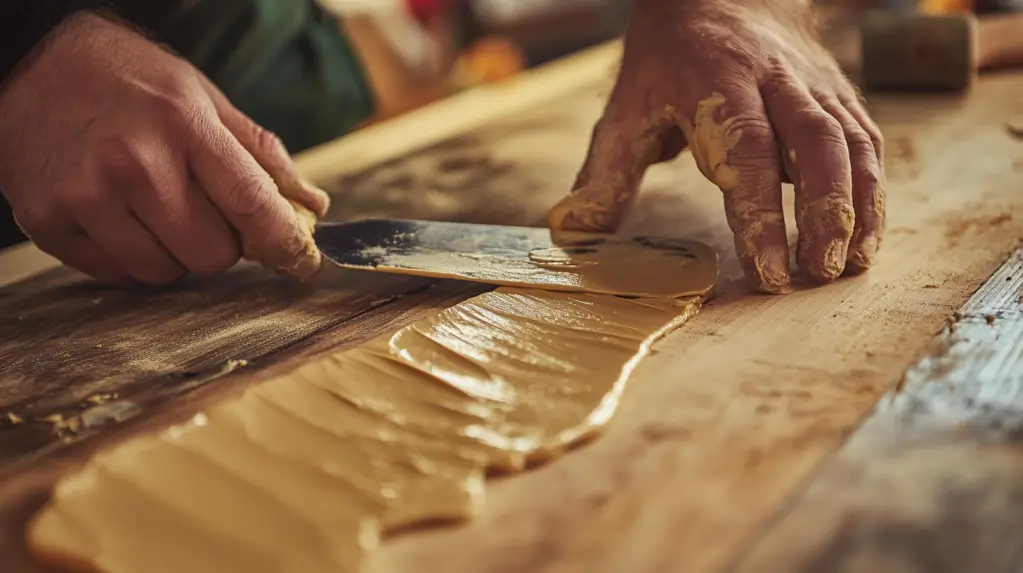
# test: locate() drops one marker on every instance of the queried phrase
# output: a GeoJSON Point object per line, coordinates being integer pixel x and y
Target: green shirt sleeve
{"type": "Point", "coordinates": [284, 63]}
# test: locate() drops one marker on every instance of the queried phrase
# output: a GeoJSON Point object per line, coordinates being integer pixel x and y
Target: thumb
{"type": "Point", "coordinates": [623, 145]}
{"type": "Point", "coordinates": [269, 151]}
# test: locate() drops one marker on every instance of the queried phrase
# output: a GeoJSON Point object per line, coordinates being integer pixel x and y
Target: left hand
{"type": "Point", "coordinates": [747, 85]}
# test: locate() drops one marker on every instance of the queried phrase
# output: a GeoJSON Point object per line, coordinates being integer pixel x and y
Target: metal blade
{"type": "Point", "coordinates": [522, 256]}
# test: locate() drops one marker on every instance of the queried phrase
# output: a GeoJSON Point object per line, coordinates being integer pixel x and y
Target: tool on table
{"type": "Point", "coordinates": [523, 256]}
{"type": "Point", "coordinates": [911, 51]}
{"type": "Point", "coordinates": [938, 46]}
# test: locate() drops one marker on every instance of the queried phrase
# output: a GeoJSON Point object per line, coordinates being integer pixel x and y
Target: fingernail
{"type": "Point", "coordinates": [863, 258]}
{"type": "Point", "coordinates": [834, 259]}
{"type": "Point", "coordinates": [772, 266]}
{"type": "Point", "coordinates": [579, 213]}
{"type": "Point", "coordinates": [561, 216]}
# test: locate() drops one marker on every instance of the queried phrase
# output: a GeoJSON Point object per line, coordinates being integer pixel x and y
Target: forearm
{"type": "Point", "coordinates": [25, 23]}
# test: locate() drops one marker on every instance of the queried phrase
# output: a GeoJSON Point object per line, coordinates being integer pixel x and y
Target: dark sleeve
{"type": "Point", "coordinates": [24, 23]}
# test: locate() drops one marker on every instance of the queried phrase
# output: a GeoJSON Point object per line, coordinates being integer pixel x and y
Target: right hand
{"type": "Point", "coordinates": [126, 163]}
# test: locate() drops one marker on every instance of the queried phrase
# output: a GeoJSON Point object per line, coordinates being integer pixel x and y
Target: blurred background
{"type": "Point", "coordinates": [313, 70]}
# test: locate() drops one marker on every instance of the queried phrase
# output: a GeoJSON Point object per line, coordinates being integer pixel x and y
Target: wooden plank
{"type": "Point", "coordinates": [732, 414]}
{"type": "Point", "coordinates": [25, 482]}
{"type": "Point", "coordinates": [933, 481]}
{"type": "Point", "coordinates": [68, 347]}
{"type": "Point", "coordinates": [23, 261]}
{"type": "Point", "coordinates": [735, 412]}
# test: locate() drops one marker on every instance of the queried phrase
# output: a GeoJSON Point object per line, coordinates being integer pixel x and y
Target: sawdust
{"type": "Point", "coordinates": [957, 228]}
{"type": "Point", "coordinates": [901, 231]}
{"type": "Point", "coordinates": [902, 162]}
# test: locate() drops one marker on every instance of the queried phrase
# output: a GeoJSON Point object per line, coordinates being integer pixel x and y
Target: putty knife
{"type": "Point", "coordinates": [523, 256]}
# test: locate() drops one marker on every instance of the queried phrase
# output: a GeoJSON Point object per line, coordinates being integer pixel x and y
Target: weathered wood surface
{"type": "Point", "coordinates": [933, 480]}
{"type": "Point", "coordinates": [68, 347]}
{"type": "Point", "coordinates": [724, 425]}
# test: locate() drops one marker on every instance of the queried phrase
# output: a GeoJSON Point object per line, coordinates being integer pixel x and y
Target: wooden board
{"type": "Point", "coordinates": [725, 425]}
{"type": "Point", "coordinates": [933, 480]}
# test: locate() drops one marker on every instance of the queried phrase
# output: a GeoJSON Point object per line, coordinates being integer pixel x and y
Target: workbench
{"type": "Point", "coordinates": [867, 425]}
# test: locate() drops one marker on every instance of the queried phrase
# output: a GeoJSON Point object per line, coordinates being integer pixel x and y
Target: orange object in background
{"type": "Point", "coordinates": [489, 60]}
{"type": "Point", "coordinates": [945, 6]}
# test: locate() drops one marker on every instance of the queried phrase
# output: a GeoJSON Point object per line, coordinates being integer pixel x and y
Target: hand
{"type": "Point", "coordinates": [126, 163]}
{"type": "Point", "coordinates": [759, 101]}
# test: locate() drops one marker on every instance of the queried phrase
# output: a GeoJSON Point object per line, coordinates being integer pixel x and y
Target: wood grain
{"type": "Point", "coordinates": [67, 344]}
{"type": "Point", "coordinates": [736, 411]}
{"type": "Point", "coordinates": [733, 414]}
{"type": "Point", "coordinates": [933, 481]}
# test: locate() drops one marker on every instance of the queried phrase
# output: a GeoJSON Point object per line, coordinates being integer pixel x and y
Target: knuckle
{"type": "Point", "coordinates": [268, 141]}
{"type": "Point", "coordinates": [859, 141]}
{"type": "Point", "coordinates": [119, 160]}
{"type": "Point", "coordinates": [118, 155]}
{"type": "Point", "coordinates": [776, 72]}
{"type": "Point", "coordinates": [175, 101]}
{"type": "Point", "coordinates": [864, 156]}
{"type": "Point", "coordinates": [819, 124]}
{"type": "Point", "coordinates": [756, 140]}
{"type": "Point", "coordinates": [737, 52]}
{"type": "Point", "coordinates": [251, 196]}
{"type": "Point", "coordinates": [752, 129]}
{"type": "Point", "coordinates": [88, 201]}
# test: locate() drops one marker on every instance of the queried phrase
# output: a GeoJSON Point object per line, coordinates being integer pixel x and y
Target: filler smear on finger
{"type": "Point", "coordinates": [250, 201]}
{"type": "Point", "coordinates": [753, 203]}
{"type": "Point", "coordinates": [824, 211]}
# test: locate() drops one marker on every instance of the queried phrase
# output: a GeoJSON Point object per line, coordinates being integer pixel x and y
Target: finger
{"type": "Point", "coordinates": [734, 146]}
{"type": "Point", "coordinates": [250, 201]}
{"type": "Point", "coordinates": [130, 245]}
{"type": "Point", "coordinates": [56, 234]}
{"type": "Point", "coordinates": [79, 252]}
{"type": "Point", "coordinates": [816, 146]}
{"type": "Point", "coordinates": [859, 113]}
{"type": "Point", "coordinates": [270, 152]}
{"type": "Point", "coordinates": [867, 193]}
{"type": "Point", "coordinates": [182, 218]}
{"type": "Point", "coordinates": [623, 145]}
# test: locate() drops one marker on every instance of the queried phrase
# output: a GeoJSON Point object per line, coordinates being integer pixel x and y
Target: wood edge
{"type": "Point", "coordinates": [932, 477]}
{"type": "Point", "coordinates": [23, 261]}
{"type": "Point", "coordinates": [457, 114]}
